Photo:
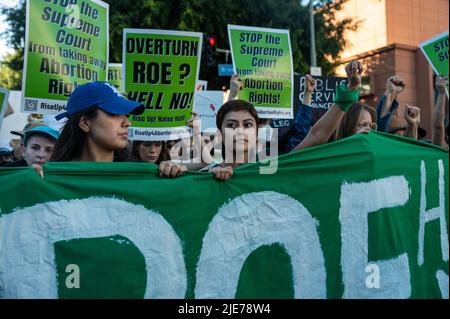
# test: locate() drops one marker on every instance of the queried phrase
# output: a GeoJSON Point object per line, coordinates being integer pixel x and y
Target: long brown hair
{"type": "Point", "coordinates": [351, 119]}
{"type": "Point", "coordinates": [72, 140]}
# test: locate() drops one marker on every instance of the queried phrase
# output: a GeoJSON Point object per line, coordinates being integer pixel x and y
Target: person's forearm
{"type": "Point", "coordinates": [232, 96]}
{"type": "Point", "coordinates": [300, 127]}
{"type": "Point", "coordinates": [412, 131]}
{"type": "Point", "coordinates": [439, 111]}
{"type": "Point", "coordinates": [387, 102]}
{"type": "Point", "coordinates": [321, 132]}
{"type": "Point", "coordinates": [389, 98]}
{"type": "Point", "coordinates": [307, 98]}
{"type": "Point", "coordinates": [438, 137]}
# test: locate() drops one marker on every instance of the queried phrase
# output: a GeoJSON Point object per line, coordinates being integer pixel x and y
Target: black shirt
{"type": "Point", "coordinates": [19, 163]}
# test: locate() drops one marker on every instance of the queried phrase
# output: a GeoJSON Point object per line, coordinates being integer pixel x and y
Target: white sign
{"type": "Point", "coordinates": [201, 85]}
{"type": "Point", "coordinates": [207, 104]}
{"type": "Point", "coordinates": [4, 94]}
{"type": "Point", "coordinates": [316, 71]}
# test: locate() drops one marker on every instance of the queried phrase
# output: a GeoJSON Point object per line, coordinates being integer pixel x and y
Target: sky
{"type": "Point", "coordinates": [3, 25]}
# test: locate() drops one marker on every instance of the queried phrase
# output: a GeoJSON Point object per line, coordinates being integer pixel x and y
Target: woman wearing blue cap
{"type": "Point", "coordinates": [37, 145]}
{"type": "Point", "coordinates": [97, 125]}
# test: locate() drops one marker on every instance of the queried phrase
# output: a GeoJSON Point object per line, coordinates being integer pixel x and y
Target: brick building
{"type": "Point", "coordinates": [387, 43]}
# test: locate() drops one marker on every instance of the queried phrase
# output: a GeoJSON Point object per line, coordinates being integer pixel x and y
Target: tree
{"type": "Point", "coordinates": [211, 17]}
{"type": "Point", "coordinates": [12, 65]}
{"type": "Point", "coordinates": [11, 78]}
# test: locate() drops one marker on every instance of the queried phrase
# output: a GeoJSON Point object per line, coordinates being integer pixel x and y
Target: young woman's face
{"type": "Point", "coordinates": [365, 123]}
{"type": "Point", "coordinates": [38, 150]}
{"type": "Point", "coordinates": [150, 151]}
{"type": "Point", "coordinates": [109, 131]}
{"type": "Point", "coordinates": [239, 131]}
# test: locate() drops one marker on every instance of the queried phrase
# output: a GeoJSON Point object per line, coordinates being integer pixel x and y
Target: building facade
{"type": "Point", "coordinates": [387, 41]}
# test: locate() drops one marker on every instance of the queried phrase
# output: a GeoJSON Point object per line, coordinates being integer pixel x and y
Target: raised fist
{"type": "Point", "coordinates": [395, 84]}
{"type": "Point", "coordinates": [441, 83]}
{"type": "Point", "coordinates": [354, 70]}
{"type": "Point", "coordinates": [412, 115]}
{"type": "Point", "coordinates": [310, 84]}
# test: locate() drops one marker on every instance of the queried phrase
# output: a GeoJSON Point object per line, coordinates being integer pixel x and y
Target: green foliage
{"type": "Point", "coordinates": [12, 64]}
{"type": "Point", "coordinates": [211, 17]}
{"type": "Point", "coordinates": [11, 78]}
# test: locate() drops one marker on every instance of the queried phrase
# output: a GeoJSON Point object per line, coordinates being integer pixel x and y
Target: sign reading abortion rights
{"type": "Point", "coordinates": [262, 58]}
{"type": "Point", "coordinates": [66, 45]}
{"type": "Point", "coordinates": [161, 70]}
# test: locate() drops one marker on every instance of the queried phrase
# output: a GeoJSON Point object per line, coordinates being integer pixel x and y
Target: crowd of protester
{"type": "Point", "coordinates": [97, 125]}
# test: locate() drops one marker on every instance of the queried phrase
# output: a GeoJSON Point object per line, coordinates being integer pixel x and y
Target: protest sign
{"type": "Point", "coordinates": [115, 76]}
{"type": "Point", "coordinates": [436, 52]}
{"type": "Point", "coordinates": [4, 94]}
{"type": "Point", "coordinates": [321, 99]}
{"type": "Point", "coordinates": [207, 104]}
{"type": "Point", "coordinates": [66, 45]}
{"type": "Point", "coordinates": [202, 85]}
{"type": "Point", "coordinates": [161, 70]}
{"type": "Point", "coordinates": [262, 58]}
{"type": "Point", "coordinates": [364, 217]}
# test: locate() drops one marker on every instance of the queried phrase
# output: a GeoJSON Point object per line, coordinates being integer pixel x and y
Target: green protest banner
{"type": "Point", "coordinates": [66, 45]}
{"type": "Point", "coordinates": [115, 76]}
{"type": "Point", "coordinates": [161, 70]}
{"type": "Point", "coordinates": [4, 94]}
{"type": "Point", "coordinates": [262, 58]}
{"type": "Point", "coordinates": [436, 52]}
{"type": "Point", "coordinates": [364, 217]}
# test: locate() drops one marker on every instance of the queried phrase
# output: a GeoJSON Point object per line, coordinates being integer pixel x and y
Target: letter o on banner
{"type": "Point", "coordinates": [248, 222]}
{"type": "Point", "coordinates": [27, 258]}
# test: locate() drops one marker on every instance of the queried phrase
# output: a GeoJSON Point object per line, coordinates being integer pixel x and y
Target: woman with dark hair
{"type": "Point", "coordinates": [237, 122]}
{"type": "Point", "coordinates": [97, 125]}
{"type": "Point", "coordinates": [148, 151]}
{"type": "Point", "coordinates": [360, 118]}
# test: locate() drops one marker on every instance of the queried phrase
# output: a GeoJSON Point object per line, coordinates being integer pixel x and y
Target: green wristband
{"type": "Point", "coordinates": [345, 97]}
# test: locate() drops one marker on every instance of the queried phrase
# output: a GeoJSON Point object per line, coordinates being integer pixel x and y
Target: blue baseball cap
{"type": "Point", "coordinates": [54, 134]}
{"type": "Point", "coordinates": [5, 151]}
{"type": "Point", "coordinates": [103, 95]}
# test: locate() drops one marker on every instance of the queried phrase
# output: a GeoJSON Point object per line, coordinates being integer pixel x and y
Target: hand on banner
{"type": "Point", "coordinates": [171, 170]}
{"type": "Point", "coordinates": [354, 70]}
{"type": "Point", "coordinates": [395, 85]}
{"type": "Point", "coordinates": [222, 173]}
{"type": "Point", "coordinates": [38, 169]}
{"type": "Point", "coordinates": [441, 83]}
{"type": "Point", "coordinates": [412, 115]}
{"type": "Point", "coordinates": [236, 85]}
{"type": "Point", "coordinates": [364, 130]}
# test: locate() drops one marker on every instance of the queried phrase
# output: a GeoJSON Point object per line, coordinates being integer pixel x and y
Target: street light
{"type": "Point", "coordinates": [313, 34]}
